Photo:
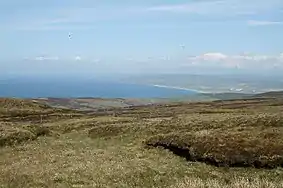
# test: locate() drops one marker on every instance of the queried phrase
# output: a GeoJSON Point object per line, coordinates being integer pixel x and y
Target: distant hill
{"type": "Point", "coordinates": [242, 83]}
{"type": "Point", "coordinates": [272, 94]}
{"type": "Point", "coordinates": [90, 104]}
{"type": "Point", "coordinates": [232, 96]}
{"type": "Point", "coordinates": [13, 105]}
{"type": "Point", "coordinates": [24, 107]}
{"type": "Point", "coordinates": [42, 105]}
{"type": "Point", "coordinates": [226, 96]}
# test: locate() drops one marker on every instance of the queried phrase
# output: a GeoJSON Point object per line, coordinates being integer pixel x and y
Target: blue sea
{"type": "Point", "coordinates": [72, 88]}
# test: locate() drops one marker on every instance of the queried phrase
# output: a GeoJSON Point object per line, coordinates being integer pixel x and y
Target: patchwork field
{"type": "Point", "coordinates": [235, 143]}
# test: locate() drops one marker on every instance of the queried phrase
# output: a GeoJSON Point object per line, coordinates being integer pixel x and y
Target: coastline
{"type": "Point", "coordinates": [178, 88]}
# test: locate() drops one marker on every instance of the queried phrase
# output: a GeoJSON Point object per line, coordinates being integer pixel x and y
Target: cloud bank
{"type": "Point", "coordinates": [242, 61]}
{"type": "Point", "coordinates": [263, 23]}
{"type": "Point", "coordinates": [46, 58]}
{"type": "Point", "coordinates": [210, 59]}
{"type": "Point", "coordinates": [211, 62]}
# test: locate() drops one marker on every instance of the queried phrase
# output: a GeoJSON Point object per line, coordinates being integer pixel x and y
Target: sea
{"type": "Point", "coordinates": [75, 88]}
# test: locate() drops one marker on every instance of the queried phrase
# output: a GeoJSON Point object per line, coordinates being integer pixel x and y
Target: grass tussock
{"type": "Point", "coordinates": [14, 107]}
{"type": "Point", "coordinates": [107, 131]}
{"type": "Point", "coordinates": [39, 130]}
{"type": "Point", "coordinates": [231, 148]}
{"type": "Point", "coordinates": [15, 136]}
{"type": "Point", "coordinates": [8, 103]}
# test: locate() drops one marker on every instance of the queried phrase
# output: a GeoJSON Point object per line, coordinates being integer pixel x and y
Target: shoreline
{"type": "Point", "coordinates": [179, 88]}
{"type": "Point", "coordinates": [214, 92]}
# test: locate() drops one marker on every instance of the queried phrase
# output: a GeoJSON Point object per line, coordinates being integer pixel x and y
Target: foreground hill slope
{"type": "Point", "coordinates": [236, 143]}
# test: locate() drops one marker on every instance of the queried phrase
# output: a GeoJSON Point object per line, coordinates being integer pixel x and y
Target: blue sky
{"type": "Point", "coordinates": [140, 36]}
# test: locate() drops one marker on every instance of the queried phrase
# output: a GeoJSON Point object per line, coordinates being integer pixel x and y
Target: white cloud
{"type": "Point", "coordinates": [210, 57]}
{"type": "Point", "coordinates": [43, 58]}
{"type": "Point", "coordinates": [263, 23]}
{"type": "Point", "coordinates": [220, 56]}
{"type": "Point", "coordinates": [246, 13]}
{"type": "Point", "coordinates": [235, 7]}
{"type": "Point", "coordinates": [174, 8]}
{"type": "Point", "coordinates": [251, 57]}
{"type": "Point", "coordinates": [246, 61]}
{"type": "Point", "coordinates": [199, 7]}
{"type": "Point", "coordinates": [78, 58]}
{"type": "Point", "coordinates": [165, 58]}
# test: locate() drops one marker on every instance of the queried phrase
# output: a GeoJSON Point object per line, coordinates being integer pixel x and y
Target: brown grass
{"type": "Point", "coordinates": [60, 148]}
{"type": "Point", "coordinates": [243, 148]}
{"type": "Point", "coordinates": [11, 135]}
{"type": "Point", "coordinates": [106, 131]}
{"type": "Point", "coordinates": [234, 183]}
{"type": "Point", "coordinates": [15, 136]}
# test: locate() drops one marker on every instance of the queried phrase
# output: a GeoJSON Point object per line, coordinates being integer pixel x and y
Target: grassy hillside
{"type": "Point", "coordinates": [92, 104]}
{"type": "Point", "coordinates": [272, 94]}
{"type": "Point", "coordinates": [236, 143]}
{"type": "Point", "coordinates": [95, 104]}
{"type": "Point", "coordinates": [227, 96]}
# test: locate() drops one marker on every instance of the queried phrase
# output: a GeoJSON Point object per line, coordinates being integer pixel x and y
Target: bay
{"type": "Point", "coordinates": [67, 88]}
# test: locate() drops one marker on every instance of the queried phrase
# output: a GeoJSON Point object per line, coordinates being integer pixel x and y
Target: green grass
{"type": "Point", "coordinates": [71, 149]}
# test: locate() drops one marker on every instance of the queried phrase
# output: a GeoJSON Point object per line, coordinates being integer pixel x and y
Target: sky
{"type": "Point", "coordinates": [110, 36]}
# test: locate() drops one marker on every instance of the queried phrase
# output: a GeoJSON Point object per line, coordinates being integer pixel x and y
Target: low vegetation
{"type": "Point", "coordinates": [11, 134]}
{"type": "Point", "coordinates": [230, 148]}
{"type": "Point", "coordinates": [236, 143]}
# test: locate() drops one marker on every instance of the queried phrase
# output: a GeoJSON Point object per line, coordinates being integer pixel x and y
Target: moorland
{"type": "Point", "coordinates": [223, 143]}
